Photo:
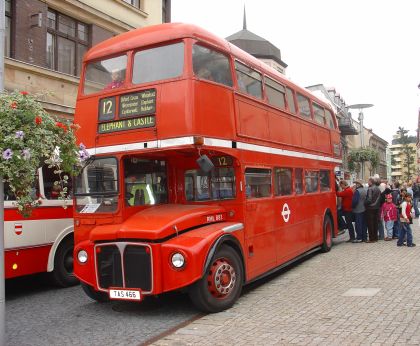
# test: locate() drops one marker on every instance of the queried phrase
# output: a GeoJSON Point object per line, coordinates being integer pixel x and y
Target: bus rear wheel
{"type": "Point", "coordinates": [327, 230]}
{"type": "Point", "coordinates": [221, 285]}
{"type": "Point", "coordinates": [100, 297]}
{"type": "Point", "coordinates": [63, 274]}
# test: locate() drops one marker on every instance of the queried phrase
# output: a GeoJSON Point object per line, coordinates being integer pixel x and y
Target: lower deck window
{"type": "Point", "coordinates": [258, 182]}
{"type": "Point", "coordinates": [217, 184]}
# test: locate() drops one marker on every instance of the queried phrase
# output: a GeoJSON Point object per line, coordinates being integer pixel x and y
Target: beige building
{"type": "Point", "coordinates": [46, 41]}
{"type": "Point", "coordinates": [399, 167]}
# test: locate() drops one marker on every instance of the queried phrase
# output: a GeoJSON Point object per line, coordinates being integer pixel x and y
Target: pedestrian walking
{"type": "Point", "coordinates": [389, 215]}
{"type": "Point", "coordinates": [406, 220]}
{"type": "Point", "coordinates": [346, 195]}
{"type": "Point", "coordinates": [372, 204]}
{"type": "Point", "coordinates": [358, 207]}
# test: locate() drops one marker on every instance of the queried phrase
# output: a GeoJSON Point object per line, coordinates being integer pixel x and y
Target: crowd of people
{"type": "Point", "coordinates": [378, 210]}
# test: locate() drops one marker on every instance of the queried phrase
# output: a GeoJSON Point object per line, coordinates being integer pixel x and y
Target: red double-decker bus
{"type": "Point", "coordinates": [208, 169]}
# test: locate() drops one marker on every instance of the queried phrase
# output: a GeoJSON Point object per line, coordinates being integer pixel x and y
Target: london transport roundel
{"type": "Point", "coordinates": [286, 212]}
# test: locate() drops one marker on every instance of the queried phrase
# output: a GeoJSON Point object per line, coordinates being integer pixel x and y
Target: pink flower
{"type": "Point", "coordinates": [13, 105]}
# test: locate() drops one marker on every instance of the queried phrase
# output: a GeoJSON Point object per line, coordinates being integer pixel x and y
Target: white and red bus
{"type": "Point", "coordinates": [208, 169]}
{"type": "Point", "coordinates": [44, 241]}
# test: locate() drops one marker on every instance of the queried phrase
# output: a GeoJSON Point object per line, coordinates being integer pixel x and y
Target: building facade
{"type": "Point", "coordinates": [401, 170]}
{"type": "Point", "coordinates": [46, 41]}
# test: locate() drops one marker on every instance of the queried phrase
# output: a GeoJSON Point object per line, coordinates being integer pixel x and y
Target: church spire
{"type": "Point", "coordinates": [244, 28]}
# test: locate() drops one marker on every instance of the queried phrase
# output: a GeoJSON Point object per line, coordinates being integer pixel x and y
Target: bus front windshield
{"type": "Point", "coordinates": [97, 187]}
{"type": "Point", "coordinates": [105, 74]}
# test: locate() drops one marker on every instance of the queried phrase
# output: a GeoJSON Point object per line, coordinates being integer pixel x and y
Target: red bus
{"type": "Point", "coordinates": [208, 169]}
{"type": "Point", "coordinates": [44, 241]}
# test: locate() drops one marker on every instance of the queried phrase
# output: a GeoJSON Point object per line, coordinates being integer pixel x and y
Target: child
{"type": "Point", "coordinates": [405, 220]}
{"type": "Point", "coordinates": [389, 215]}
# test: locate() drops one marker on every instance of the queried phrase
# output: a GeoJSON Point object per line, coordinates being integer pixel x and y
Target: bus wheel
{"type": "Point", "coordinates": [100, 297]}
{"type": "Point", "coordinates": [63, 274]}
{"type": "Point", "coordinates": [327, 230]}
{"type": "Point", "coordinates": [221, 286]}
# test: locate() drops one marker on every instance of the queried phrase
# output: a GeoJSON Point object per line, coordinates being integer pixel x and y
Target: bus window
{"type": "Point", "coordinates": [105, 74]}
{"type": "Point", "coordinates": [51, 190]}
{"type": "Point", "coordinates": [283, 181]}
{"type": "Point", "coordinates": [158, 63]}
{"type": "Point", "coordinates": [145, 182]}
{"type": "Point", "coordinates": [249, 80]}
{"type": "Point", "coordinates": [319, 114]}
{"type": "Point", "coordinates": [303, 105]}
{"type": "Point", "coordinates": [276, 93]}
{"type": "Point", "coordinates": [217, 184]}
{"type": "Point", "coordinates": [324, 179]}
{"type": "Point", "coordinates": [97, 187]}
{"type": "Point", "coordinates": [329, 119]}
{"type": "Point", "coordinates": [298, 181]}
{"type": "Point", "coordinates": [311, 181]}
{"type": "Point", "coordinates": [291, 100]}
{"type": "Point", "coordinates": [211, 65]}
{"type": "Point", "coordinates": [8, 194]}
{"type": "Point", "coordinates": [258, 182]}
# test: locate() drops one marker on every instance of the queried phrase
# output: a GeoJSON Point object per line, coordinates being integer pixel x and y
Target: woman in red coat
{"type": "Point", "coordinates": [346, 195]}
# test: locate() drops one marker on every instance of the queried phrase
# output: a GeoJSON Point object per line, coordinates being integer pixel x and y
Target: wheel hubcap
{"type": "Point", "coordinates": [221, 279]}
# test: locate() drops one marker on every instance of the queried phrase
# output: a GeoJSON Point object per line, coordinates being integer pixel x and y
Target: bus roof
{"type": "Point", "coordinates": [155, 34]}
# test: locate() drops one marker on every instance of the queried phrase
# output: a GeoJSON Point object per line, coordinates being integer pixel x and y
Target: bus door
{"type": "Point", "coordinates": [259, 214]}
{"type": "Point", "coordinates": [290, 215]}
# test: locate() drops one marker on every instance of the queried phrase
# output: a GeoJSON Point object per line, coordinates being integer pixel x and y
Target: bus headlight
{"type": "Point", "coordinates": [178, 260]}
{"type": "Point", "coordinates": [82, 256]}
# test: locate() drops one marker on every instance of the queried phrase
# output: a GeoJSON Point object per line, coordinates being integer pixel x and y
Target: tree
{"type": "Point", "coordinates": [357, 157]}
{"type": "Point", "coordinates": [30, 137]}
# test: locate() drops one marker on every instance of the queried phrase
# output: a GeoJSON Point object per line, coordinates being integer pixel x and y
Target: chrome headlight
{"type": "Point", "coordinates": [178, 260]}
{"type": "Point", "coordinates": [82, 256]}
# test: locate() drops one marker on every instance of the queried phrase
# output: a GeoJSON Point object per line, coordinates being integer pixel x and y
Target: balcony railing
{"type": "Point", "coordinates": [346, 126]}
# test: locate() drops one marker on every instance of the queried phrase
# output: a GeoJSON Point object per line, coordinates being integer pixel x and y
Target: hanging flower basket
{"type": "Point", "coordinates": [30, 138]}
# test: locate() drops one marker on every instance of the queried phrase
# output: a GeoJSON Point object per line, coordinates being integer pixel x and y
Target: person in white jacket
{"type": "Point", "coordinates": [405, 220]}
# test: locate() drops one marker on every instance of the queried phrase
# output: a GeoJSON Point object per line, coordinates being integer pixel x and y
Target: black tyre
{"type": "Point", "coordinates": [63, 274]}
{"type": "Point", "coordinates": [222, 283]}
{"type": "Point", "coordinates": [327, 230]}
{"type": "Point", "coordinates": [100, 297]}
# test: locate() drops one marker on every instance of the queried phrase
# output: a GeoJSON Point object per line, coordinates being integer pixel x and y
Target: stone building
{"type": "Point", "coordinates": [46, 41]}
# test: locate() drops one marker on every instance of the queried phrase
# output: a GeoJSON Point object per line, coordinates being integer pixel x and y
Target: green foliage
{"type": "Point", "coordinates": [30, 137]}
{"type": "Point", "coordinates": [358, 156]}
{"type": "Point", "coordinates": [408, 153]}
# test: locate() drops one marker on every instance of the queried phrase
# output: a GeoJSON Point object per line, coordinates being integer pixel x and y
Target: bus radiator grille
{"type": "Point", "coordinates": [133, 262]}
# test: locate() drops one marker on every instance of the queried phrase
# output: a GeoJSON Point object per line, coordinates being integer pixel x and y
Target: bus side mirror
{"type": "Point", "coordinates": [205, 163]}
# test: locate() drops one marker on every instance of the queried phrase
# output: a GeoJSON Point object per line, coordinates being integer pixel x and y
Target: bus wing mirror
{"type": "Point", "coordinates": [205, 163]}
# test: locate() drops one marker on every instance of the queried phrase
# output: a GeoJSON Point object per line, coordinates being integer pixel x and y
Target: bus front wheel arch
{"type": "Point", "coordinates": [221, 285]}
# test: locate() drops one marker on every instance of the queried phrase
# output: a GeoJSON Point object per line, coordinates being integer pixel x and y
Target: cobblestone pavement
{"type": "Point", "coordinates": [357, 294]}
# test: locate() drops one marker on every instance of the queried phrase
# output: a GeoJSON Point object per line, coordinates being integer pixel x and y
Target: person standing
{"type": "Point", "coordinates": [358, 205]}
{"type": "Point", "coordinates": [416, 197]}
{"type": "Point", "coordinates": [389, 215]}
{"type": "Point", "coordinates": [405, 223]}
{"type": "Point", "coordinates": [373, 203]}
{"type": "Point", "coordinates": [395, 192]}
{"type": "Point", "coordinates": [346, 195]}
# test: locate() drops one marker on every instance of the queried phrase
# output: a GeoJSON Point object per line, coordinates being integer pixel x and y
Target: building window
{"type": "Point", "coordinates": [8, 36]}
{"type": "Point", "coordinates": [67, 42]}
{"type": "Point", "coordinates": [135, 3]}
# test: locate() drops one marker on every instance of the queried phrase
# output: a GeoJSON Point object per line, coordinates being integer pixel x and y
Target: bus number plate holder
{"type": "Point", "coordinates": [124, 294]}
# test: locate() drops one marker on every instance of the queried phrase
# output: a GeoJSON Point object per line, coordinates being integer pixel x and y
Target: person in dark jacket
{"type": "Point", "coordinates": [346, 195]}
{"type": "Point", "coordinates": [373, 204]}
{"type": "Point", "coordinates": [416, 196]}
{"type": "Point", "coordinates": [358, 205]}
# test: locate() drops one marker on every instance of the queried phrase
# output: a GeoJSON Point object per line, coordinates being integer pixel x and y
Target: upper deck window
{"type": "Point", "coordinates": [158, 63]}
{"type": "Point", "coordinates": [276, 93]}
{"type": "Point", "coordinates": [211, 65]}
{"type": "Point", "coordinates": [329, 118]}
{"type": "Point", "coordinates": [105, 74]}
{"type": "Point", "coordinates": [291, 100]}
{"type": "Point", "coordinates": [249, 80]}
{"type": "Point", "coordinates": [319, 114]}
{"type": "Point", "coordinates": [303, 103]}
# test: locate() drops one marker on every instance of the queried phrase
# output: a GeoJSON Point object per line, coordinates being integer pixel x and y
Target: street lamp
{"type": "Point", "coordinates": [360, 107]}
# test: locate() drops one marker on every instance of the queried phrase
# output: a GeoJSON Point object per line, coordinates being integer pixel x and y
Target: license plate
{"type": "Point", "coordinates": [124, 294]}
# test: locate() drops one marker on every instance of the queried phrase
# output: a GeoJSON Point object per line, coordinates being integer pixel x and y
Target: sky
{"type": "Point", "coordinates": [368, 50]}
